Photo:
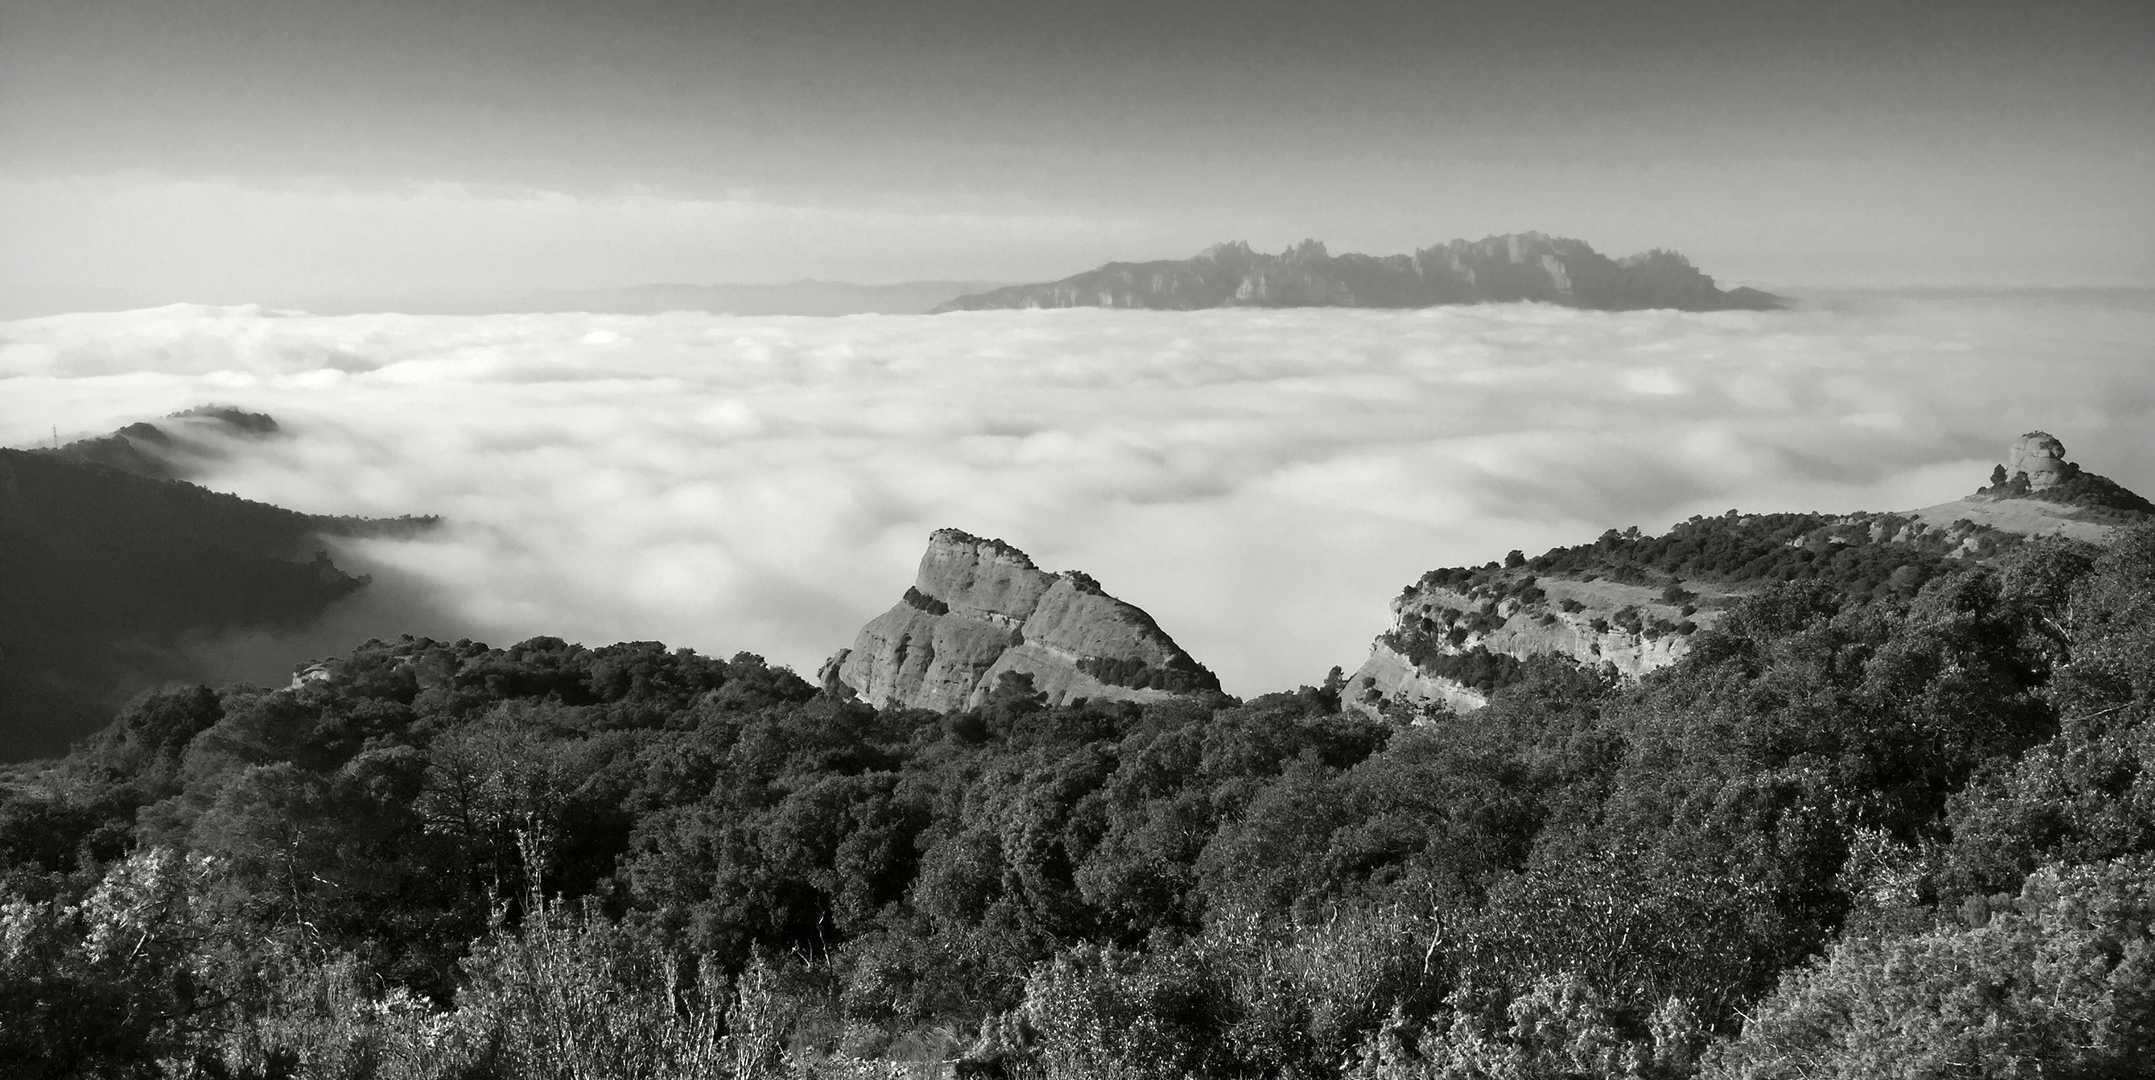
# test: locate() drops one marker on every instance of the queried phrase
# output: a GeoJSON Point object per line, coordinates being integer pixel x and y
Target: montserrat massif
{"type": "Point", "coordinates": [1630, 603]}
{"type": "Point", "coordinates": [980, 613]}
{"type": "Point", "coordinates": [1495, 269]}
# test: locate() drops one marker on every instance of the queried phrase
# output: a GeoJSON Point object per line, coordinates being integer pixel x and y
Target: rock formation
{"type": "Point", "coordinates": [1517, 266]}
{"type": "Point", "coordinates": [1630, 603]}
{"type": "Point", "coordinates": [2035, 471]}
{"type": "Point", "coordinates": [1452, 643]}
{"type": "Point", "coordinates": [979, 609]}
{"type": "Point", "coordinates": [2040, 457]}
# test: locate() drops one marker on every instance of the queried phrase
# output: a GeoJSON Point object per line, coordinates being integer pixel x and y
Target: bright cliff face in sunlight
{"type": "Point", "coordinates": [1261, 482]}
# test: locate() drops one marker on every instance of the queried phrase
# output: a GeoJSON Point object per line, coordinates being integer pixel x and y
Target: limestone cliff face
{"type": "Point", "coordinates": [980, 608]}
{"type": "Point", "coordinates": [1447, 644]}
{"type": "Point", "coordinates": [1390, 678]}
{"type": "Point", "coordinates": [1517, 266]}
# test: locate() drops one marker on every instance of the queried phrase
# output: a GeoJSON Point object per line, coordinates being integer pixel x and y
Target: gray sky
{"type": "Point", "coordinates": [357, 153]}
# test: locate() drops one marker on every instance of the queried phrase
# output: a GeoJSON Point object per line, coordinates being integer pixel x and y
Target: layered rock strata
{"type": "Point", "coordinates": [979, 609]}
{"type": "Point", "coordinates": [1449, 645]}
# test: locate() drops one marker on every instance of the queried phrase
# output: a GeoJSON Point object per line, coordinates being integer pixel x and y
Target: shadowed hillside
{"type": "Point", "coordinates": [107, 576]}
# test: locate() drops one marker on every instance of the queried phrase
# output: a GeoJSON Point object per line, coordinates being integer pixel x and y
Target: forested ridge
{"type": "Point", "coordinates": [1901, 831]}
{"type": "Point", "coordinates": [1471, 625]}
{"type": "Point", "coordinates": [111, 575]}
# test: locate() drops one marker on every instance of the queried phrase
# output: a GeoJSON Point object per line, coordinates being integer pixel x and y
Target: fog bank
{"type": "Point", "coordinates": [1261, 481]}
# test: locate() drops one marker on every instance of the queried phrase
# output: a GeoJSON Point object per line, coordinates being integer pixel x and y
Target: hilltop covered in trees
{"type": "Point", "coordinates": [1629, 601]}
{"type": "Point", "coordinates": [1852, 832]}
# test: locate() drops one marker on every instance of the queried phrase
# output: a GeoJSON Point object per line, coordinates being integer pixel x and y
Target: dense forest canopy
{"type": "Point", "coordinates": [1850, 834]}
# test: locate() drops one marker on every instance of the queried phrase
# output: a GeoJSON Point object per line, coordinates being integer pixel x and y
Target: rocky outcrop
{"type": "Point", "coordinates": [1516, 266]}
{"type": "Point", "coordinates": [979, 609]}
{"type": "Point", "coordinates": [1630, 603]}
{"type": "Point", "coordinates": [1453, 643]}
{"type": "Point", "coordinates": [2039, 457]}
{"type": "Point", "coordinates": [2035, 471]}
{"type": "Point", "coordinates": [1391, 682]}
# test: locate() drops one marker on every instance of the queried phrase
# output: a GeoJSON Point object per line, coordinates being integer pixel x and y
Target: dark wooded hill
{"type": "Point", "coordinates": [107, 576]}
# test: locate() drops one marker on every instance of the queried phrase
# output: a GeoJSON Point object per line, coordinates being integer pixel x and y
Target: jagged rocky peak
{"type": "Point", "coordinates": [1230, 251]}
{"type": "Point", "coordinates": [985, 579]}
{"type": "Point", "coordinates": [979, 609]}
{"type": "Point", "coordinates": [1308, 251]}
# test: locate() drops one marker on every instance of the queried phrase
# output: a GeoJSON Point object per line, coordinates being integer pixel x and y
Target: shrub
{"type": "Point", "coordinates": [1560, 1027]}
{"type": "Point", "coordinates": [924, 602]}
{"type": "Point", "coordinates": [1180, 674]}
{"type": "Point", "coordinates": [1300, 998]}
{"type": "Point", "coordinates": [571, 996]}
{"type": "Point", "coordinates": [2061, 984]}
{"type": "Point", "coordinates": [1105, 1012]}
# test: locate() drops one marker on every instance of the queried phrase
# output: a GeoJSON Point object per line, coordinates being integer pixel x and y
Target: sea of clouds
{"type": "Point", "coordinates": [1263, 482]}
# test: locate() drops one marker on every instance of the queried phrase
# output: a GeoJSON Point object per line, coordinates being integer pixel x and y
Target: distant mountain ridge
{"type": "Point", "coordinates": [174, 451]}
{"type": "Point", "coordinates": [1511, 267]}
{"type": "Point", "coordinates": [804, 297]}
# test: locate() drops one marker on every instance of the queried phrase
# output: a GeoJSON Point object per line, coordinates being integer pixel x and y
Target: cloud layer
{"type": "Point", "coordinates": [1262, 482]}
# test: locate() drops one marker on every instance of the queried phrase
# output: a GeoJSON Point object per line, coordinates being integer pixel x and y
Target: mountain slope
{"type": "Point", "coordinates": [1516, 266]}
{"type": "Point", "coordinates": [980, 610]}
{"type": "Point", "coordinates": [108, 576]}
